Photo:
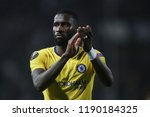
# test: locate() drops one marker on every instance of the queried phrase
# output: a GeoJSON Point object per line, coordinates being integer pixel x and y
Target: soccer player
{"type": "Point", "coordinates": [67, 70]}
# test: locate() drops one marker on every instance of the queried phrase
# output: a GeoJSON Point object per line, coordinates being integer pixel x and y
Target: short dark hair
{"type": "Point", "coordinates": [69, 12]}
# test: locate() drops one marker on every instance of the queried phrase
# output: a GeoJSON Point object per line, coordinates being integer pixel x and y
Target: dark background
{"type": "Point", "coordinates": [121, 32]}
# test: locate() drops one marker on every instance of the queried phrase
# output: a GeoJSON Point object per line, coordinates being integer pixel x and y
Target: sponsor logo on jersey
{"type": "Point", "coordinates": [79, 84]}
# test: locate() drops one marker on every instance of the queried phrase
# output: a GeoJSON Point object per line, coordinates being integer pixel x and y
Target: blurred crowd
{"type": "Point", "coordinates": [121, 32]}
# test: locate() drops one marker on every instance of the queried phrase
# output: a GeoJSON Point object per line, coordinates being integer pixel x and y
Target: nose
{"type": "Point", "coordinates": [59, 28]}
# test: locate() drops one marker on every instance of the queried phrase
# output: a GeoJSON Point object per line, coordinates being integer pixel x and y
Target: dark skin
{"type": "Point", "coordinates": [64, 25]}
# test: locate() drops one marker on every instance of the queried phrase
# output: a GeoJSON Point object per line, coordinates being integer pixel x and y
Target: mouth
{"type": "Point", "coordinates": [59, 36]}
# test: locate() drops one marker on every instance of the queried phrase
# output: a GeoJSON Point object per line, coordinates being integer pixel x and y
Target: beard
{"type": "Point", "coordinates": [63, 40]}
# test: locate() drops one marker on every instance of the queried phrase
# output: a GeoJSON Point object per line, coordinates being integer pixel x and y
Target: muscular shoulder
{"type": "Point", "coordinates": [101, 56]}
{"type": "Point", "coordinates": [99, 53]}
{"type": "Point", "coordinates": [40, 53]}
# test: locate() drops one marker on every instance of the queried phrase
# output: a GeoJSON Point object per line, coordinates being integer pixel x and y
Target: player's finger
{"type": "Point", "coordinates": [88, 28]}
{"type": "Point", "coordinates": [74, 38]}
{"type": "Point", "coordinates": [79, 29]}
{"type": "Point", "coordinates": [88, 31]}
{"type": "Point", "coordinates": [77, 43]}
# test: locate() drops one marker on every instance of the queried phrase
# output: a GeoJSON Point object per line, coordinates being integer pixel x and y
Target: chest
{"type": "Point", "coordinates": [74, 68]}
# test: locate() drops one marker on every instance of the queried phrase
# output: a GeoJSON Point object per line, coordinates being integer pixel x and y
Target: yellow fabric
{"type": "Point", "coordinates": [75, 81]}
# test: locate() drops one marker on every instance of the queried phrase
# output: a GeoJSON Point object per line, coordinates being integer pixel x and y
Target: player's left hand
{"type": "Point", "coordinates": [86, 36]}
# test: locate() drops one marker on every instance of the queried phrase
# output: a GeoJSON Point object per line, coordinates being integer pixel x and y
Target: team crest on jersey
{"type": "Point", "coordinates": [81, 68]}
{"type": "Point", "coordinates": [34, 55]}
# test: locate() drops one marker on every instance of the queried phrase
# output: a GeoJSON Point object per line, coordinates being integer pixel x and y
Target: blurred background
{"type": "Point", "coordinates": [121, 32]}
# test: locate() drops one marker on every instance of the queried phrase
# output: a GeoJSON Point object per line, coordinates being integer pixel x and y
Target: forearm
{"type": "Point", "coordinates": [45, 78]}
{"type": "Point", "coordinates": [102, 70]}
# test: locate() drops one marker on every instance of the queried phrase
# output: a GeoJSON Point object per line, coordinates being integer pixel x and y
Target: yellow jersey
{"type": "Point", "coordinates": [76, 79]}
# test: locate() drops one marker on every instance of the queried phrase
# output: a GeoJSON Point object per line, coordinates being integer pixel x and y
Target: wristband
{"type": "Point", "coordinates": [92, 54]}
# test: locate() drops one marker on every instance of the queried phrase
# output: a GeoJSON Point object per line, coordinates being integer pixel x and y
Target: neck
{"type": "Point", "coordinates": [60, 50]}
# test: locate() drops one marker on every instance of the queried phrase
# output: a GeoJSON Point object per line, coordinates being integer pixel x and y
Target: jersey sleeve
{"type": "Point", "coordinates": [37, 60]}
{"type": "Point", "coordinates": [101, 56]}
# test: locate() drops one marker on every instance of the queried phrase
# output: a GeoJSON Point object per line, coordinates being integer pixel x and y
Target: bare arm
{"type": "Point", "coordinates": [102, 70]}
{"type": "Point", "coordinates": [42, 78]}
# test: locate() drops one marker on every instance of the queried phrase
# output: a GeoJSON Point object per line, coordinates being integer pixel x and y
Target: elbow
{"type": "Point", "coordinates": [38, 86]}
{"type": "Point", "coordinates": [109, 82]}
{"type": "Point", "coordinates": [108, 79]}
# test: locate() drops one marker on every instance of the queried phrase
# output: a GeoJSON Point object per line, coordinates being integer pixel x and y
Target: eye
{"type": "Point", "coordinates": [56, 24]}
{"type": "Point", "coordinates": [66, 24]}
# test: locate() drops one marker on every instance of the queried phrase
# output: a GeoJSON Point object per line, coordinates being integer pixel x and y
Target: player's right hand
{"type": "Point", "coordinates": [73, 45]}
